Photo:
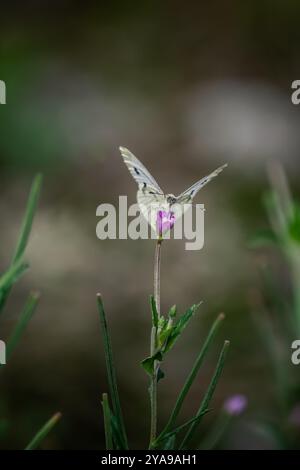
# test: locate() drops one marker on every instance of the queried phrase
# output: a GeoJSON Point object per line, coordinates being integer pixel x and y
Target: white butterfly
{"type": "Point", "coordinates": [152, 199]}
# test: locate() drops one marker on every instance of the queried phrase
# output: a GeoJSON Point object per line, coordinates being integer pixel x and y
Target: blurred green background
{"type": "Point", "coordinates": [186, 87]}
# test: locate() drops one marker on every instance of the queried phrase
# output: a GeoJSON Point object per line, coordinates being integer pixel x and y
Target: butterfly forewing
{"type": "Point", "coordinates": [140, 173]}
{"type": "Point", "coordinates": [188, 195]}
{"type": "Point", "coordinates": [149, 196]}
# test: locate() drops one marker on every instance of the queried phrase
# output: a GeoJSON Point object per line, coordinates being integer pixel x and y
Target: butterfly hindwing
{"type": "Point", "coordinates": [150, 204]}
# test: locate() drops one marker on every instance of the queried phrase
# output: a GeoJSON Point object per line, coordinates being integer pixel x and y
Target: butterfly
{"type": "Point", "coordinates": [151, 198]}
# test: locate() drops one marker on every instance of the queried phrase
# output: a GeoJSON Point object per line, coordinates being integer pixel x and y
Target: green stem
{"type": "Point", "coordinates": [153, 382]}
{"type": "Point", "coordinates": [157, 274]}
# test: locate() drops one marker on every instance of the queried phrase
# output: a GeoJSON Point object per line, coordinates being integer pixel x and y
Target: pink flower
{"type": "Point", "coordinates": [164, 221]}
{"type": "Point", "coordinates": [235, 405]}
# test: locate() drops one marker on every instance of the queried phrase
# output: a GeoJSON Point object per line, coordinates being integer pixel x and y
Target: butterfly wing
{"type": "Point", "coordinates": [188, 195]}
{"type": "Point", "coordinates": [150, 205]}
{"type": "Point", "coordinates": [140, 173]}
{"type": "Point", "coordinates": [150, 197]}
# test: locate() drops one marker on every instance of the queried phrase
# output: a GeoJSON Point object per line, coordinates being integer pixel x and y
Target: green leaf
{"type": "Point", "coordinates": [170, 442]}
{"type": "Point", "coordinates": [116, 434]}
{"type": "Point", "coordinates": [154, 311]}
{"type": "Point", "coordinates": [191, 377]}
{"type": "Point", "coordinates": [208, 396]}
{"type": "Point", "coordinates": [148, 363]}
{"type": "Point", "coordinates": [166, 337]}
{"type": "Point", "coordinates": [294, 224]}
{"type": "Point", "coordinates": [13, 273]}
{"type": "Point", "coordinates": [43, 432]}
{"type": "Point", "coordinates": [180, 326]}
{"type": "Point", "coordinates": [165, 437]}
{"type": "Point", "coordinates": [22, 323]}
{"type": "Point", "coordinates": [107, 422]}
{"type": "Point", "coordinates": [25, 231]}
{"type": "Point", "coordinates": [111, 373]}
{"type": "Point", "coordinates": [164, 333]}
{"type": "Point", "coordinates": [187, 423]}
{"type": "Point", "coordinates": [28, 218]}
{"type": "Point", "coordinates": [172, 312]}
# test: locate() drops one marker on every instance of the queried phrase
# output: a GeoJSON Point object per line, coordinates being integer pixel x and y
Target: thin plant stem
{"type": "Point", "coordinates": [153, 383]}
{"type": "Point", "coordinates": [157, 274]}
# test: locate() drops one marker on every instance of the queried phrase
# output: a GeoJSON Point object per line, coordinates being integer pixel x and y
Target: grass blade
{"type": "Point", "coordinates": [107, 422]}
{"type": "Point", "coordinates": [24, 319]}
{"type": "Point", "coordinates": [43, 432]}
{"type": "Point", "coordinates": [13, 273]}
{"type": "Point", "coordinates": [25, 229]}
{"type": "Point", "coordinates": [189, 381]}
{"type": "Point", "coordinates": [28, 218]}
{"type": "Point", "coordinates": [175, 431]}
{"type": "Point", "coordinates": [208, 396]}
{"type": "Point", "coordinates": [112, 380]}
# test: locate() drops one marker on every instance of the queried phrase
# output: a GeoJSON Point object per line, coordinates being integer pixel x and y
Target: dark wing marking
{"type": "Point", "coordinates": [139, 172]}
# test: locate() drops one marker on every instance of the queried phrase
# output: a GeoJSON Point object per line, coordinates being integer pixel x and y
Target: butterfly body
{"type": "Point", "coordinates": [171, 199]}
{"type": "Point", "coordinates": [150, 196]}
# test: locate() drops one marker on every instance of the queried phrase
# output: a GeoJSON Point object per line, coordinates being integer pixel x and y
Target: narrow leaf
{"type": "Point", "coordinates": [190, 379]}
{"type": "Point", "coordinates": [25, 230]}
{"type": "Point", "coordinates": [22, 323]}
{"type": "Point", "coordinates": [172, 312]}
{"type": "Point", "coordinates": [187, 423]}
{"type": "Point", "coordinates": [107, 422]}
{"type": "Point", "coordinates": [170, 443]}
{"type": "Point", "coordinates": [112, 380]}
{"type": "Point", "coordinates": [208, 396]}
{"type": "Point", "coordinates": [13, 273]}
{"type": "Point", "coordinates": [116, 434]}
{"type": "Point", "coordinates": [179, 326]}
{"type": "Point", "coordinates": [43, 432]}
{"type": "Point", "coordinates": [148, 363]}
{"type": "Point", "coordinates": [28, 218]}
{"type": "Point", "coordinates": [174, 432]}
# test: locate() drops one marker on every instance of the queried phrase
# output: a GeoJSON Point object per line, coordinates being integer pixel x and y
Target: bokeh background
{"type": "Point", "coordinates": [186, 87]}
